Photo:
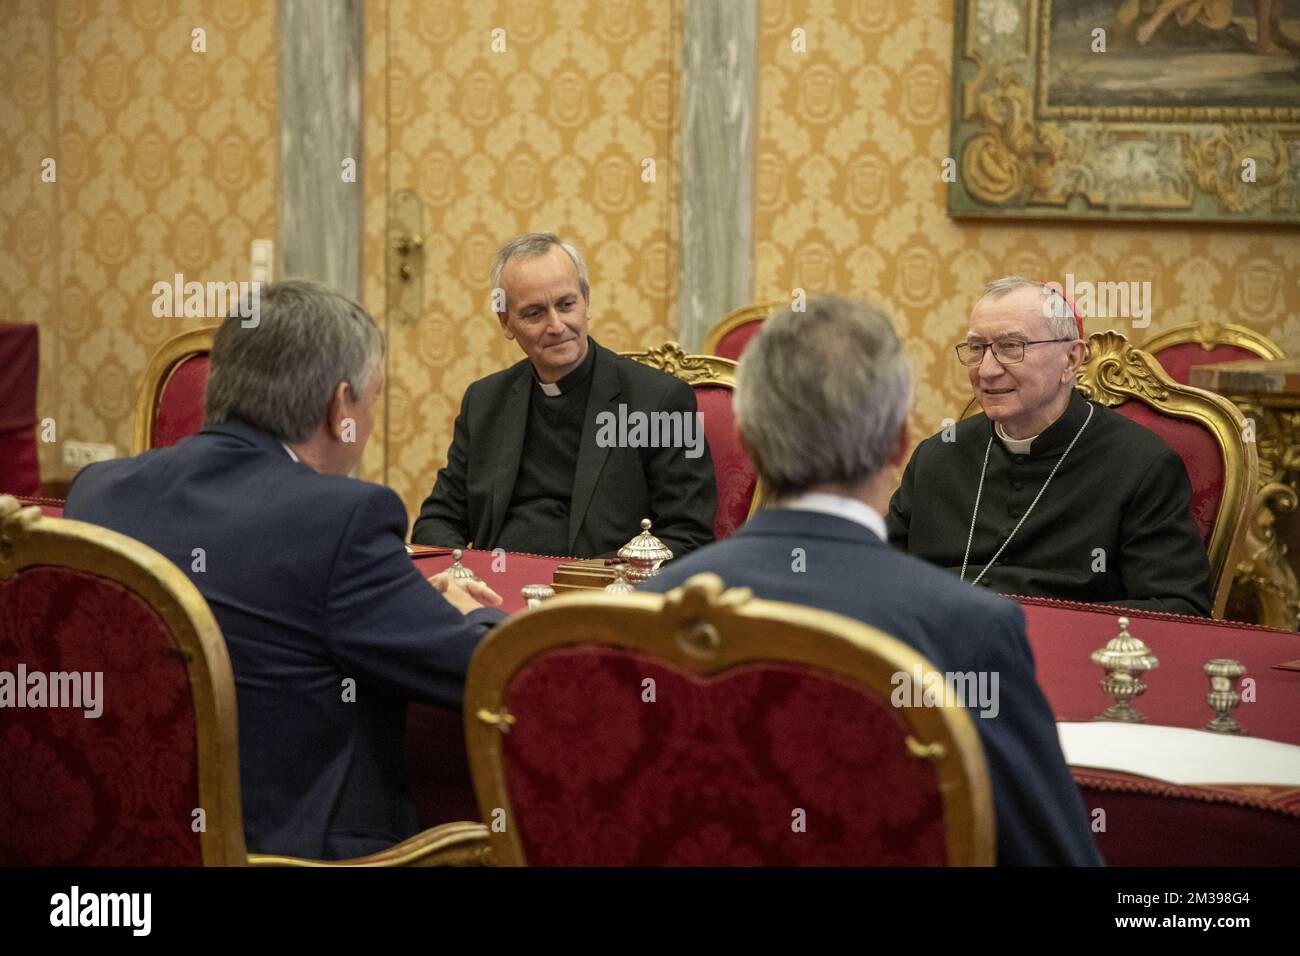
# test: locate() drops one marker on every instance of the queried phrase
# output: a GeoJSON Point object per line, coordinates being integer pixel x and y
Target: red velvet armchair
{"type": "Point", "coordinates": [1205, 343]}
{"type": "Point", "coordinates": [704, 727]}
{"type": "Point", "coordinates": [714, 381]}
{"type": "Point", "coordinates": [170, 403]}
{"type": "Point", "coordinates": [1206, 429]}
{"type": "Point", "coordinates": [729, 337]}
{"type": "Point", "coordinates": [141, 767]}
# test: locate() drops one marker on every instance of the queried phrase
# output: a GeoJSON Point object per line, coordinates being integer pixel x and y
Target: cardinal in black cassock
{"type": "Point", "coordinates": [1074, 500]}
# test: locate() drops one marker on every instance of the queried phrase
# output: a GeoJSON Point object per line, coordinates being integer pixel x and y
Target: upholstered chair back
{"type": "Point", "coordinates": [704, 727]}
{"type": "Point", "coordinates": [714, 382]}
{"type": "Point", "coordinates": [1206, 343]}
{"type": "Point", "coordinates": [1206, 430]}
{"type": "Point", "coordinates": [170, 404]}
{"type": "Point", "coordinates": [125, 753]}
{"type": "Point", "coordinates": [729, 337]}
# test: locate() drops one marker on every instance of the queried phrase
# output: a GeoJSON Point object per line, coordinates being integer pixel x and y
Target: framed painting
{"type": "Point", "coordinates": [1126, 109]}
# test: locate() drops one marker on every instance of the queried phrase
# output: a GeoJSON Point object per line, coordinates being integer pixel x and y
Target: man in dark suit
{"type": "Point", "coordinates": [821, 404]}
{"type": "Point", "coordinates": [546, 456]}
{"type": "Point", "coordinates": [331, 630]}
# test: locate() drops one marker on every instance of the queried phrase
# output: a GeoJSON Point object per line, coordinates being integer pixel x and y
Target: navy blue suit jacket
{"type": "Point", "coordinates": [1040, 816]}
{"type": "Point", "coordinates": [310, 581]}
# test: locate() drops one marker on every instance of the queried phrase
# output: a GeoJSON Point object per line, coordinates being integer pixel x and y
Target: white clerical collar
{"type": "Point", "coordinates": [841, 507]}
{"type": "Point", "coordinates": [289, 450]}
{"type": "Point", "coordinates": [1017, 446]}
{"type": "Point", "coordinates": [549, 389]}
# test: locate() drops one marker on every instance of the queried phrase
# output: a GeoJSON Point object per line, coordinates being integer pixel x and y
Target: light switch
{"type": "Point", "coordinates": [263, 260]}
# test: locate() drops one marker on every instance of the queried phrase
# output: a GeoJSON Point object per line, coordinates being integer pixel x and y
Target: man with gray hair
{"type": "Point", "coordinates": [821, 403]}
{"type": "Point", "coordinates": [331, 630]}
{"type": "Point", "coordinates": [534, 465]}
{"type": "Point", "coordinates": [1046, 493]}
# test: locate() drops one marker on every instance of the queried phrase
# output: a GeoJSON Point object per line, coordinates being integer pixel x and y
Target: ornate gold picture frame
{"type": "Point", "coordinates": [1125, 109]}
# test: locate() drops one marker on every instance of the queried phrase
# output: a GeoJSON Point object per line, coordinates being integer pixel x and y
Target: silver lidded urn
{"type": "Point", "coordinates": [459, 573]}
{"type": "Point", "coordinates": [1223, 695]}
{"type": "Point", "coordinates": [644, 554]}
{"type": "Point", "coordinates": [1124, 659]}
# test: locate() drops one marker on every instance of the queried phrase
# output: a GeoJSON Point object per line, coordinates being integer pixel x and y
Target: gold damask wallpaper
{"type": "Point", "coordinates": [28, 212]}
{"type": "Point", "coordinates": [165, 163]}
{"type": "Point", "coordinates": [545, 126]}
{"type": "Point", "coordinates": [852, 135]}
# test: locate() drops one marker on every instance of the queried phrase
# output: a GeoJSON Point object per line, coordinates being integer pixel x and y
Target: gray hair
{"type": "Point", "coordinates": [1060, 317]}
{"type": "Point", "coordinates": [821, 395]}
{"type": "Point", "coordinates": [533, 244]}
{"type": "Point", "coordinates": [280, 374]}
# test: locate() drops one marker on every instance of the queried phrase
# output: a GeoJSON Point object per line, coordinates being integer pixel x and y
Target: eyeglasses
{"type": "Point", "coordinates": [1009, 352]}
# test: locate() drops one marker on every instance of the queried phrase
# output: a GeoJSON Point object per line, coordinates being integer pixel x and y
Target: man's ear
{"type": "Point", "coordinates": [504, 319]}
{"type": "Point", "coordinates": [339, 409]}
{"type": "Point", "coordinates": [899, 454]}
{"type": "Point", "coordinates": [1076, 356]}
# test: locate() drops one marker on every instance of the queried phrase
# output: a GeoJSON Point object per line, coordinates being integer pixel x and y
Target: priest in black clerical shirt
{"type": "Point", "coordinates": [536, 464]}
{"type": "Point", "coordinates": [1046, 493]}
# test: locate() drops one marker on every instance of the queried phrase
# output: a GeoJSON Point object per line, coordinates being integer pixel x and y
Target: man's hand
{"type": "Point", "coordinates": [465, 596]}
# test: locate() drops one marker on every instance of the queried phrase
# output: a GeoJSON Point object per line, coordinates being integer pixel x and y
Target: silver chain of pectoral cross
{"type": "Point", "coordinates": [980, 491]}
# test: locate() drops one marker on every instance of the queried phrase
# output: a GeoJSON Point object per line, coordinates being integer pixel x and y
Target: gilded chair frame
{"type": "Point", "coordinates": [1116, 371]}
{"type": "Point", "coordinates": [695, 370]}
{"type": "Point", "coordinates": [755, 312]}
{"type": "Point", "coordinates": [462, 843]}
{"type": "Point", "coordinates": [691, 369]}
{"type": "Point", "coordinates": [1208, 334]}
{"type": "Point", "coordinates": [28, 539]}
{"type": "Point", "coordinates": [156, 376]}
{"type": "Point", "coordinates": [704, 630]}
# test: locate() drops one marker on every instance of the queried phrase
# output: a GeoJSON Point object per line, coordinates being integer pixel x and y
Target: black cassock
{"type": "Point", "coordinates": [1114, 527]}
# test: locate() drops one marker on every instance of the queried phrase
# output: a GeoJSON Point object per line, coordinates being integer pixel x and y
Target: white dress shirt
{"type": "Point", "coordinates": [841, 507]}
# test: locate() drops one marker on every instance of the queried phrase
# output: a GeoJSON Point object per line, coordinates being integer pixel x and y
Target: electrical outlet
{"type": "Point", "coordinates": [79, 454]}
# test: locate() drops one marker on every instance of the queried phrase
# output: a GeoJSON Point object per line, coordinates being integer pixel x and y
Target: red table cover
{"type": "Point", "coordinates": [1148, 822]}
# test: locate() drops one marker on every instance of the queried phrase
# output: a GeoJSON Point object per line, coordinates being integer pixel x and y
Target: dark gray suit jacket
{"type": "Point", "coordinates": [848, 570]}
{"type": "Point", "coordinates": [311, 584]}
{"type": "Point", "coordinates": [613, 488]}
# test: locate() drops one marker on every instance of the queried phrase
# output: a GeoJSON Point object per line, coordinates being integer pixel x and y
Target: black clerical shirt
{"type": "Point", "coordinates": [539, 508]}
{"type": "Point", "coordinates": [1113, 527]}
{"type": "Point", "coordinates": [608, 490]}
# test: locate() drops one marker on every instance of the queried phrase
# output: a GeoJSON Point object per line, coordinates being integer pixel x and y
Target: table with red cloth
{"type": "Point", "coordinates": [1148, 822]}
{"type": "Point", "coordinates": [20, 472]}
{"type": "Point", "coordinates": [52, 507]}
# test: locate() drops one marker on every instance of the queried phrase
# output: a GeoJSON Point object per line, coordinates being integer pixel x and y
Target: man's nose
{"type": "Point", "coordinates": [989, 366]}
{"type": "Point", "coordinates": [553, 324]}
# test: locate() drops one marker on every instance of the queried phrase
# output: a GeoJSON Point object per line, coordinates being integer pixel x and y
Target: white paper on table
{"type": "Point", "coordinates": [1179, 755]}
